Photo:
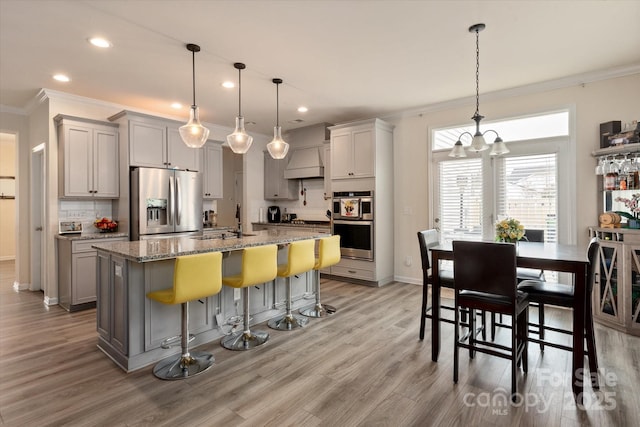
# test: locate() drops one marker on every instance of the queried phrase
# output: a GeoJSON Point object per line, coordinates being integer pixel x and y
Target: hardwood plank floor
{"type": "Point", "coordinates": [364, 366]}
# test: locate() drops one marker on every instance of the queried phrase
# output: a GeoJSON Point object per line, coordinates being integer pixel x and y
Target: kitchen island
{"type": "Point", "coordinates": [131, 327]}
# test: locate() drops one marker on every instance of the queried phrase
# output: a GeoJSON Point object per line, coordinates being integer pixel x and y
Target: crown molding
{"type": "Point", "coordinates": [13, 110]}
{"type": "Point", "coordinates": [46, 94]}
{"type": "Point", "coordinates": [561, 83]}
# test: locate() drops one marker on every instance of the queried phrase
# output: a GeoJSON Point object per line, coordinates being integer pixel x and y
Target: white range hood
{"type": "Point", "coordinates": [305, 163]}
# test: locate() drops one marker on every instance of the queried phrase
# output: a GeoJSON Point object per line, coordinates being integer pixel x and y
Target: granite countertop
{"type": "Point", "coordinates": [170, 248]}
{"type": "Point", "coordinates": [291, 224]}
{"type": "Point", "coordinates": [90, 236]}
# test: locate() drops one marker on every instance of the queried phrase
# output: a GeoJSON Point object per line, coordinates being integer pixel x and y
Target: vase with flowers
{"type": "Point", "coordinates": [509, 230]}
{"type": "Point", "coordinates": [633, 204]}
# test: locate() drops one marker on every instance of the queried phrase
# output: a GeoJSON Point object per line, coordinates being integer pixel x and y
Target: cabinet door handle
{"type": "Point", "coordinates": [352, 272]}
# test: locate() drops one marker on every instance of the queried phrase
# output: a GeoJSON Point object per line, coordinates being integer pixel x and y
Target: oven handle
{"type": "Point", "coordinates": [352, 222]}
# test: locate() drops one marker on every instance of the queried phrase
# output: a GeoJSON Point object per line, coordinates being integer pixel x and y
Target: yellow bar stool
{"type": "Point", "coordinates": [328, 255]}
{"type": "Point", "coordinates": [300, 259]}
{"type": "Point", "coordinates": [194, 277]}
{"type": "Point", "coordinates": [259, 265]}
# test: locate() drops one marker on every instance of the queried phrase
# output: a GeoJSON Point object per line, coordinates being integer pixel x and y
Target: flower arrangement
{"type": "Point", "coordinates": [509, 230]}
{"type": "Point", "coordinates": [632, 204]}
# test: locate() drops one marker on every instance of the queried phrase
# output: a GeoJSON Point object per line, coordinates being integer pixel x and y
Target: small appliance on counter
{"type": "Point", "coordinates": [273, 214]}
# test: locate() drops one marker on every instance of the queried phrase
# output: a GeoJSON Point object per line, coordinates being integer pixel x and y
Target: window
{"type": "Point", "coordinates": [527, 190]}
{"type": "Point", "coordinates": [472, 193]}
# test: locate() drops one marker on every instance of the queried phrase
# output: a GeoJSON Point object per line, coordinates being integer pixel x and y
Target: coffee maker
{"type": "Point", "coordinates": [273, 214]}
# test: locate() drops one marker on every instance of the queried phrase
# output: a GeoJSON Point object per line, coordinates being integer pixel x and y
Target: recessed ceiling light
{"type": "Point", "coordinates": [61, 78]}
{"type": "Point", "coordinates": [100, 42]}
{"type": "Point", "coordinates": [176, 105]}
{"type": "Point", "coordinates": [228, 85]}
{"type": "Point", "coordinates": [302, 109]}
{"type": "Point", "coordinates": [249, 123]}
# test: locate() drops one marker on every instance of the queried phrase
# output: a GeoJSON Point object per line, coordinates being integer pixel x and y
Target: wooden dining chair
{"type": "Point", "coordinates": [428, 239]}
{"type": "Point", "coordinates": [562, 295]}
{"type": "Point", "coordinates": [485, 279]}
{"type": "Point", "coordinates": [523, 273]}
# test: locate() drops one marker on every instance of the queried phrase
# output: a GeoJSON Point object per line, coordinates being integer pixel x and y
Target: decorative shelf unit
{"type": "Point", "coordinates": [616, 297]}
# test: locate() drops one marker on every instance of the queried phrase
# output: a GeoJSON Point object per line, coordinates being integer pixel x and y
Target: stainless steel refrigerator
{"type": "Point", "coordinates": [165, 203]}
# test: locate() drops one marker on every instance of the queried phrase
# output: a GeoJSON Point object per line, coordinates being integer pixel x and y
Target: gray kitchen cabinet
{"type": "Point", "coordinates": [353, 153]}
{"type": "Point", "coordinates": [88, 158]}
{"type": "Point", "coordinates": [112, 314]}
{"type": "Point", "coordinates": [276, 187]}
{"type": "Point", "coordinates": [212, 170]}
{"type": "Point", "coordinates": [327, 173]}
{"type": "Point", "coordinates": [77, 273]}
{"type": "Point", "coordinates": [156, 143]}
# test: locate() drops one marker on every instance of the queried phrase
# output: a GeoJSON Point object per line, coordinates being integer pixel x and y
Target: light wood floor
{"type": "Point", "coordinates": [364, 366]}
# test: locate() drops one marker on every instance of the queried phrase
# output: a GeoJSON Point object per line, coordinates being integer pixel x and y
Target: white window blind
{"type": "Point", "coordinates": [460, 190]}
{"type": "Point", "coordinates": [527, 191]}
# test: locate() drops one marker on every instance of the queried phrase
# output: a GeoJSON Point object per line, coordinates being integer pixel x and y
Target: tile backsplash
{"type": "Point", "coordinates": [85, 211]}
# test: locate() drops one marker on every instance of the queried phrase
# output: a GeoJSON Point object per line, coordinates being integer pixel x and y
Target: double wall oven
{"type": "Point", "coordinates": [353, 221]}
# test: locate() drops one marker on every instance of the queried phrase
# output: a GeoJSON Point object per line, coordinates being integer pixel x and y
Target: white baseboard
{"type": "Point", "coordinates": [50, 301]}
{"type": "Point", "coordinates": [411, 280]}
{"type": "Point", "coordinates": [17, 286]}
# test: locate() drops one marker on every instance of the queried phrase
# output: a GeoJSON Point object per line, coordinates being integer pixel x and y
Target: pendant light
{"type": "Point", "coordinates": [239, 141]}
{"type": "Point", "coordinates": [278, 148]}
{"type": "Point", "coordinates": [193, 134]}
{"type": "Point", "coordinates": [478, 142]}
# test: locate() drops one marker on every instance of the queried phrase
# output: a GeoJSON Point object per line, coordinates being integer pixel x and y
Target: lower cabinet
{"type": "Point", "coordinates": [77, 273]}
{"type": "Point", "coordinates": [616, 293]}
{"type": "Point", "coordinates": [112, 315]}
{"type": "Point", "coordinates": [131, 327]}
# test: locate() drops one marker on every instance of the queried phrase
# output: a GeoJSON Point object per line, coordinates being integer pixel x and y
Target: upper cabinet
{"type": "Point", "coordinates": [156, 143]}
{"type": "Point", "coordinates": [212, 170]}
{"type": "Point", "coordinates": [88, 158]}
{"type": "Point", "coordinates": [276, 186]}
{"type": "Point", "coordinates": [352, 153]}
{"type": "Point", "coordinates": [354, 147]}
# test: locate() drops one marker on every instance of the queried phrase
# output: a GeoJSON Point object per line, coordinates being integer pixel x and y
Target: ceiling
{"type": "Point", "coordinates": [344, 60]}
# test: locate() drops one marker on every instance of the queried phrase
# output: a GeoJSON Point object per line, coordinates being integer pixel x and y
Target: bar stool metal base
{"type": "Point", "coordinates": [287, 322]}
{"type": "Point", "coordinates": [246, 340]}
{"type": "Point", "coordinates": [183, 366]}
{"type": "Point", "coordinates": [318, 310]}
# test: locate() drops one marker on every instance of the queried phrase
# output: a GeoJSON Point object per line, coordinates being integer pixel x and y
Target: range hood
{"type": "Point", "coordinates": [305, 163]}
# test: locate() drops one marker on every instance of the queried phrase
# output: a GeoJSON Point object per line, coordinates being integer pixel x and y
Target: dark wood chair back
{"type": "Point", "coordinates": [534, 235]}
{"type": "Point", "coordinates": [427, 239]}
{"type": "Point", "coordinates": [592, 255]}
{"type": "Point", "coordinates": [488, 267]}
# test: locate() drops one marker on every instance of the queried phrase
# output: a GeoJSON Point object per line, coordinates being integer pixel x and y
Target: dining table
{"type": "Point", "coordinates": [544, 256]}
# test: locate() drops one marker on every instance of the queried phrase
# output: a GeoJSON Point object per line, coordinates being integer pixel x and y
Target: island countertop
{"type": "Point", "coordinates": [168, 248]}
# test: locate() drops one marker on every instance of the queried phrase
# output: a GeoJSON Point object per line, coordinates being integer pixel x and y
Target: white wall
{"type": "Point", "coordinates": [595, 103]}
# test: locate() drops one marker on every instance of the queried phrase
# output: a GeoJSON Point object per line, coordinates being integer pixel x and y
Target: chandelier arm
{"type": "Point", "coordinates": [463, 134]}
{"type": "Point", "coordinates": [491, 130]}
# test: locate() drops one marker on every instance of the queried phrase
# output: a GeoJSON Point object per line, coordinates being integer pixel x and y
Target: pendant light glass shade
{"type": "Point", "coordinates": [193, 134]}
{"type": "Point", "coordinates": [239, 141]}
{"type": "Point", "coordinates": [478, 142]}
{"type": "Point", "coordinates": [278, 147]}
{"type": "Point", "coordinates": [458, 150]}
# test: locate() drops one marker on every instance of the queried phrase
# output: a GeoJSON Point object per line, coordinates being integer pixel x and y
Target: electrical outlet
{"type": "Point", "coordinates": [236, 294]}
{"type": "Point", "coordinates": [219, 320]}
{"type": "Point", "coordinates": [408, 260]}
